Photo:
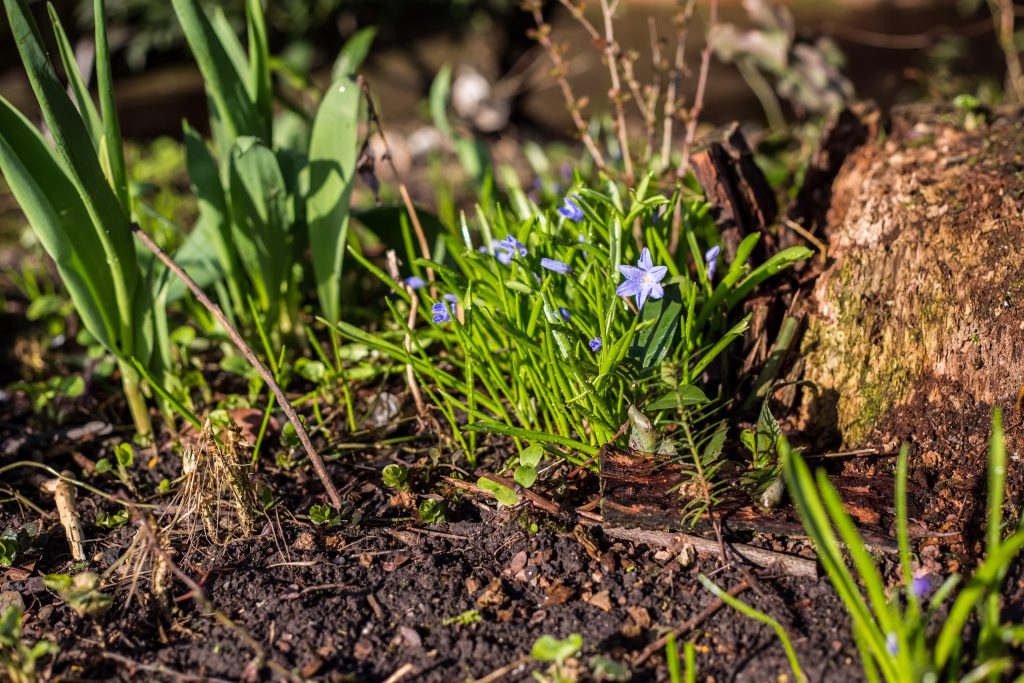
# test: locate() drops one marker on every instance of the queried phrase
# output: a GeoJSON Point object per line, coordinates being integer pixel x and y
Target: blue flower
{"type": "Point", "coordinates": [711, 259]}
{"type": "Point", "coordinates": [414, 282]}
{"type": "Point", "coordinates": [564, 312]}
{"type": "Point", "coordinates": [920, 586]}
{"type": "Point", "coordinates": [595, 344]}
{"type": "Point", "coordinates": [556, 266]}
{"type": "Point", "coordinates": [892, 643]}
{"type": "Point", "coordinates": [451, 297]}
{"type": "Point", "coordinates": [509, 248]}
{"type": "Point", "coordinates": [442, 312]}
{"type": "Point", "coordinates": [642, 281]}
{"type": "Point", "coordinates": [571, 209]}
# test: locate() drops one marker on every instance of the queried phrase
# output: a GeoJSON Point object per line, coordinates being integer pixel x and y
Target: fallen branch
{"type": "Point", "coordinates": [790, 564]}
{"type": "Point", "coordinates": [250, 355]}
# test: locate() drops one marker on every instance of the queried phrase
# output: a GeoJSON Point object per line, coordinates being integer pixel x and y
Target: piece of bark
{"type": "Point", "coordinates": [845, 131]}
{"type": "Point", "coordinates": [734, 184]}
{"type": "Point", "coordinates": [646, 491]}
{"type": "Point", "coordinates": [923, 300]}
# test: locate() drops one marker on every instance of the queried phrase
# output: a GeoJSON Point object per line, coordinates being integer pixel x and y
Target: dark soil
{"type": "Point", "coordinates": [360, 603]}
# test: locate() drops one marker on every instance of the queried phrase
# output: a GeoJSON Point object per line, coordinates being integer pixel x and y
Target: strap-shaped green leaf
{"type": "Point", "coordinates": [113, 148]}
{"type": "Point", "coordinates": [334, 147]}
{"type": "Point", "coordinates": [262, 217]}
{"type": "Point", "coordinates": [227, 90]}
{"type": "Point", "coordinates": [75, 149]}
{"type": "Point", "coordinates": [214, 225]}
{"type": "Point", "coordinates": [56, 213]}
{"type": "Point", "coordinates": [653, 343]}
{"type": "Point", "coordinates": [83, 99]}
{"type": "Point", "coordinates": [353, 53]}
{"type": "Point", "coordinates": [260, 86]}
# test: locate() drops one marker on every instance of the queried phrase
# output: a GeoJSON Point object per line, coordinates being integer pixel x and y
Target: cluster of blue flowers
{"type": "Point", "coordinates": [643, 281]}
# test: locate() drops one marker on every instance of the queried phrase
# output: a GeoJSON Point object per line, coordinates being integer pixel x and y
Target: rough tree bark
{"type": "Point", "coordinates": [922, 303]}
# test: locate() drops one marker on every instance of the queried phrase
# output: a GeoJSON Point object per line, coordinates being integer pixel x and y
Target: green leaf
{"type": "Point", "coordinates": [224, 85]}
{"type": "Point", "coordinates": [686, 395]}
{"type": "Point", "coordinates": [334, 147]}
{"type": "Point", "coordinates": [214, 225]}
{"type": "Point", "coordinates": [503, 494]}
{"type": "Point", "coordinates": [262, 215]}
{"type": "Point", "coordinates": [525, 475]}
{"type": "Point", "coordinates": [651, 345]}
{"type": "Point", "coordinates": [260, 88]}
{"type": "Point", "coordinates": [54, 209]}
{"type": "Point", "coordinates": [440, 92]}
{"type": "Point", "coordinates": [531, 457]}
{"type": "Point", "coordinates": [353, 53]}
{"type": "Point", "coordinates": [550, 649]}
{"type": "Point", "coordinates": [124, 454]}
{"type": "Point", "coordinates": [86, 107]}
{"type": "Point", "coordinates": [774, 265]}
{"type": "Point", "coordinates": [113, 149]}
{"type": "Point", "coordinates": [432, 511]}
{"type": "Point", "coordinates": [73, 143]}
{"type": "Point", "coordinates": [396, 477]}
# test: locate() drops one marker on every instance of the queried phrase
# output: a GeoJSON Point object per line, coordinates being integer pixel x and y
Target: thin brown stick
{"type": "Point", "coordinates": [410, 323]}
{"type": "Point", "coordinates": [401, 673]}
{"type": "Point", "coordinates": [375, 119]}
{"type": "Point", "coordinates": [503, 671]}
{"type": "Point", "coordinates": [688, 626]}
{"type": "Point", "coordinates": [611, 54]}
{"type": "Point", "coordinates": [157, 668]}
{"type": "Point", "coordinates": [250, 355]}
{"type": "Point", "coordinates": [543, 36]}
{"type": "Point", "coordinates": [681, 22]}
{"type": "Point", "coordinates": [1003, 16]}
{"type": "Point", "coordinates": [702, 84]}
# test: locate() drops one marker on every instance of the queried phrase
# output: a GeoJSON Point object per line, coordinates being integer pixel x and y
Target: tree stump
{"type": "Point", "coordinates": [921, 307]}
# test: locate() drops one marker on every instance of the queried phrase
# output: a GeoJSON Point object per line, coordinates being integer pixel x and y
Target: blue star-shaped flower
{"type": "Point", "coordinates": [571, 210]}
{"type": "Point", "coordinates": [642, 281]}
{"type": "Point", "coordinates": [711, 259]}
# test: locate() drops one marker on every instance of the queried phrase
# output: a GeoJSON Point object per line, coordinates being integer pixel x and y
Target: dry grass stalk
{"type": "Point", "coordinates": [209, 468]}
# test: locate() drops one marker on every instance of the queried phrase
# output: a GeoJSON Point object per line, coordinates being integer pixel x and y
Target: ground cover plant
{"type": "Point", "coordinates": [494, 429]}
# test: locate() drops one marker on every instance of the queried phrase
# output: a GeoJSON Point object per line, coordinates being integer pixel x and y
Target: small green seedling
{"type": "Point", "coordinates": [432, 511]}
{"type": "Point", "coordinates": [81, 592]}
{"type": "Point", "coordinates": [18, 660]}
{"type": "Point", "coordinates": [557, 652]}
{"type": "Point", "coordinates": [526, 473]}
{"type": "Point", "coordinates": [470, 616]}
{"type": "Point", "coordinates": [114, 521]}
{"type": "Point", "coordinates": [9, 548]}
{"type": "Point", "coordinates": [14, 541]}
{"type": "Point", "coordinates": [606, 669]}
{"type": "Point", "coordinates": [323, 515]}
{"type": "Point", "coordinates": [504, 495]}
{"type": "Point", "coordinates": [396, 477]}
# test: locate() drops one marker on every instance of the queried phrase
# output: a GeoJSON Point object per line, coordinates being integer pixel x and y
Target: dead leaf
{"type": "Point", "coordinates": [601, 600]}
{"type": "Point", "coordinates": [558, 594]}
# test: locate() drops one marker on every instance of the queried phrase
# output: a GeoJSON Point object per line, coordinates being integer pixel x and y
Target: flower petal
{"type": "Point", "coordinates": [657, 273]}
{"type": "Point", "coordinates": [641, 298]}
{"type": "Point", "coordinates": [632, 273]}
{"type": "Point", "coordinates": [628, 288]}
{"type": "Point", "coordinates": [645, 262]}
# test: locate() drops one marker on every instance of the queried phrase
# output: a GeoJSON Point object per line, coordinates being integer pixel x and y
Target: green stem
{"type": "Point", "coordinates": [136, 401]}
